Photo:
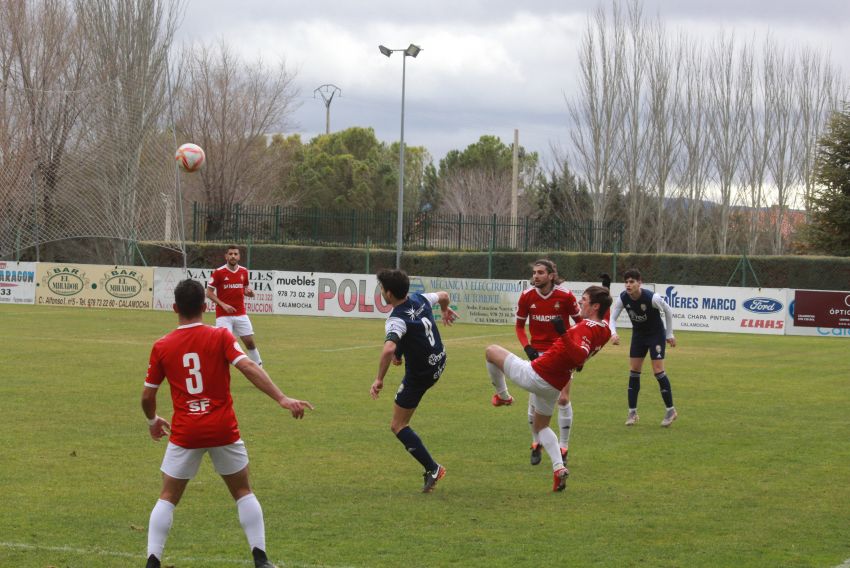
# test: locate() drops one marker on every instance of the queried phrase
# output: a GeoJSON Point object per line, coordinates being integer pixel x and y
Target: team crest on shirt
{"type": "Point", "coordinates": [557, 305]}
{"type": "Point", "coordinates": [411, 313]}
{"type": "Point", "coordinates": [643, 307]}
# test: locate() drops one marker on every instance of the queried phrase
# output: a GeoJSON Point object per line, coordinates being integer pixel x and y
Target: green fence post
{"type": "Point", "coordinates": [250, 247]}
{"type": "Point", "coordinates": [368, 250]}
{"type": "Point", "coordinates": [277, 224]}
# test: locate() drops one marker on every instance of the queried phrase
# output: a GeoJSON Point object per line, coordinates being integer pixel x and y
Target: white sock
{"type": "Point", "coordinates": [565, 422]}
{"type": "Point", "coordinates": [162, 516]}
{"type": "Point", "coordinates": [535, 439]}
{"type": "Point", "coordinates": [251, 519]}
{"type": "Point", "coordinates": [254, 355]}
{"type": "Point", "coordinates": [497, 377]}
{"type": "Point", "coordinates": [550, 444]}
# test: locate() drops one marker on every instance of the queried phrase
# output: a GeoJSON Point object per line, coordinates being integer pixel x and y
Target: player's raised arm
{"type": "Point", "coordinates": [260, 379]}
{"type": "Point", "coordinates": [448, 314]}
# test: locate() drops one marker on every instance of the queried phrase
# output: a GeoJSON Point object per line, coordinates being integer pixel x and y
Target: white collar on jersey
{"type": "Point", "coordinates": [188, 325]}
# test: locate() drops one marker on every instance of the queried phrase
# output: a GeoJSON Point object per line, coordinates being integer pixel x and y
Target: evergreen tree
{"type": "Point", "coordinates": [829, 230]}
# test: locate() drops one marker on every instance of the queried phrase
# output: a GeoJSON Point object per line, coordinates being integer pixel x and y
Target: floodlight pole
{"type": "Point", "coordinates": [411, 51]}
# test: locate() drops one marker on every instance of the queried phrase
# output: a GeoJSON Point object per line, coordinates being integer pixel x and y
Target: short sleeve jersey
{"type": "Point", "coordinates": [229, 286]}
{"type": "Point", "coordinates": [196, 360]}
{"type": "Point", "coordinates": [411, 325]}
{"type": "Point", "coordinates": [540, 310]}
{"type": "Point", "coordinates": [572, 349]}
{"type": "Point", "coordinates": [646, 318]}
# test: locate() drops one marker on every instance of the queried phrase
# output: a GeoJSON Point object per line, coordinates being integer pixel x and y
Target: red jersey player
{"type": "Point", "coordinates": [196, 360]}
{"type": "Point", "coordinates": [545, 300]}
{"type": "Point", "coordinates": [227, 289]}
{"type": "Point", "coordinates": [548, 377]}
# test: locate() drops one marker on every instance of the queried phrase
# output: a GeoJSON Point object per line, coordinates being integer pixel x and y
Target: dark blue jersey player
{"type": "Point", "coordinates": [412, 335]}
{"type": "Point", "coordinates": [649, 335]}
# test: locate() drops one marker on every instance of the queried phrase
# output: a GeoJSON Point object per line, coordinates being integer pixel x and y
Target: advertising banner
{"type": "Point", "coordinates": [350, 295]}
{"type": "Point", "coordinates": [17, 282]}
{"type": "Point", "coordinates": [723, 309]}
{"type": "Point", "coordinates": [821, 308]}
{"type": "Point", "coordinates": [476, 300]}
{"type": "Point", "coordinates": [262, 282]}
{"type": "Point", "coordinates": [94, 286]}
{"type": "Point", "coordinates": [791, 329]}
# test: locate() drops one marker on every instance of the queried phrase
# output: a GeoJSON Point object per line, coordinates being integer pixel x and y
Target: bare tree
{"type": "Point", "coordinates": [783, 159]}
{"type": "Point", "coordinates": [230, 109]}
{"type": "Point", "coordinates": [727, 127]}
{"type": "Point", "coordinates": [50, 63]}
{"type": "Point", "coordinates": [693, 133]}
{"type": "Point", "coordinates": [815, 89]}
{"type": "Point", "coordinates": [663, 101]}
{"type": "Point", "coordinates": [128, 43]}
{"type": "Point", "coordinates": [633, 153]}
{"type": "Point", "coordinates": [597, 111]}
{"type": "Point", "coordinates": [476, 192]}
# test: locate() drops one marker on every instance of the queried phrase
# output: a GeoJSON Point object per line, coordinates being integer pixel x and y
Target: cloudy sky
{"type": "Point", "coordinates": [487, 67]}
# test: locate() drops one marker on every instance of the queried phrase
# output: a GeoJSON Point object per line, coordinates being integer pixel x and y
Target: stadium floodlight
{"type": "Point", "coordinates": [411, 51]}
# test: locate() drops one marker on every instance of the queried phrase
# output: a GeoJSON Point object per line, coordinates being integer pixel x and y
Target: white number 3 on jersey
{"type": "Point", "coordinates": [195, 383]}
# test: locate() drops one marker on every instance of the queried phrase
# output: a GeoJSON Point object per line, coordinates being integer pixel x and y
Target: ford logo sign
{"type": "Point", "coordinates": [762, 305]}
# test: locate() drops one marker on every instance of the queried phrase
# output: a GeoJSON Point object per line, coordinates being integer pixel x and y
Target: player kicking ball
{"type": "Point", "coordinates": [412, 336]}
{"type": "Point", "coordinates": [547, 377]}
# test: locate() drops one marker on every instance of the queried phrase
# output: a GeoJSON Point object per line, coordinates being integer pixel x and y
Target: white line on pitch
{"type": "Point", "coordinates": [450, 340]}
{"type": "Point", "coordinates": [101, 552]}
{"type": "Point", "coordinates": [845, 564]}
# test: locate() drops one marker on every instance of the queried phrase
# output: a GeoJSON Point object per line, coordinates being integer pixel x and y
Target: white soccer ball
{"type": "Point", "coordinates": [190, 157]}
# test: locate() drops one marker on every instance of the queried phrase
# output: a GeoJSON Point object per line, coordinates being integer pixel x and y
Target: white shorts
{"type": "Point", "coordinates": [183, 463]}
{"type": "Point", "coordinates": [543, 396]}
{"type": "Point", "coordinates": [240, 326]}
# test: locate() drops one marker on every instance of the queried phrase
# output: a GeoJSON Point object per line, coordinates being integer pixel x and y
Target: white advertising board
{"type": "Point", "coordinates": [723, 309]}
{"type": "Point", "coordinates": [165, 279]}
{"type": "Point", "coordinates": [329, 294]}
{"type": "Point", "coordinates": [476, 300]}
{"type": "Point", "coordinates": [17, 282]}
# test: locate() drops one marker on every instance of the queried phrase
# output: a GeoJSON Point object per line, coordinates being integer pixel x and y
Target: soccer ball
{"type": "Point", "coordinates": [190, 157]}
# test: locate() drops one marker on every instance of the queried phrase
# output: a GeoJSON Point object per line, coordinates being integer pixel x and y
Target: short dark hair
{"type": "Point", "coordinates": [601, 296]}
{"type": "Point", "coordinates": [632, 273]}
{"type": "Point", "coordinates": [231, 247]}
{"type": "Point", "coordinates": [394, 281]}
{"type": "Point", "coordinates": [190, 298]}
{"type": "Point", "coordinates": [550, 266]}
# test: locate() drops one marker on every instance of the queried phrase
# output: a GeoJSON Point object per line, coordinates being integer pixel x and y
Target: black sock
{"type": "Point", "coordinates": [634, 388]}
{"type": "Point", "coordinates": [666, 391]}
{"type": "Point", "coordinates": [416, 448]}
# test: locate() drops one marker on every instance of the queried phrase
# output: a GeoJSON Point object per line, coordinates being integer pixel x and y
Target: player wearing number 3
{"type": "Point", "coordinates": [412, 335]}
{"type": "Point", "coordinates": [195, 359]}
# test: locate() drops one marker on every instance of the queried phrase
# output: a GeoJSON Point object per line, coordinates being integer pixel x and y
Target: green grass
{"type": "Point", "coordinates": [754, 472]}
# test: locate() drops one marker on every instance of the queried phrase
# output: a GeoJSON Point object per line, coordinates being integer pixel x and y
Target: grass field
{"type": "Point", "coordinates": [756, 471]}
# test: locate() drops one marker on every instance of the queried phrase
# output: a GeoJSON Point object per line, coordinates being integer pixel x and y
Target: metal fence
{"type": "Point", "coordinates": [421, 230]}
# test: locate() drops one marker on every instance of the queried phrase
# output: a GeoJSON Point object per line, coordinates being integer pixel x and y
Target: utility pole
{"type": "Point", "coordinates": [327, 91]}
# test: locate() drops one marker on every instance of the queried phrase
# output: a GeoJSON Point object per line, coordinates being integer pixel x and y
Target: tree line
{"type": "Point", "coordinates": [693, 147]}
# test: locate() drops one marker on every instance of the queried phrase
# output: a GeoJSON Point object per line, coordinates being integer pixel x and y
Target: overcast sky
{"type": "Point", "coordinates": [487, 67]}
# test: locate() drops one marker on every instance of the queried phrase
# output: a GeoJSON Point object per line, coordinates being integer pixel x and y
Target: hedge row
{"type": "Point", "coordinates": [823, 273]}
